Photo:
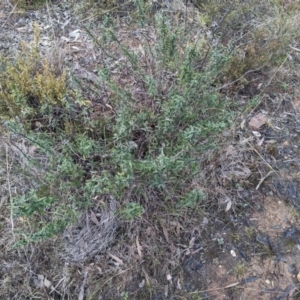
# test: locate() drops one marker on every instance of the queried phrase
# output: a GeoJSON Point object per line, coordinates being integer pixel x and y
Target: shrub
{"type": "Point", "coordinates": [147, 149]}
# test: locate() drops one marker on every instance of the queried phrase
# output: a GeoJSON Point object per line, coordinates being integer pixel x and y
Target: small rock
{"type": "Point", "coordinates": [298, 276]}
{"type": "Point", "coordinates": [258, 120]}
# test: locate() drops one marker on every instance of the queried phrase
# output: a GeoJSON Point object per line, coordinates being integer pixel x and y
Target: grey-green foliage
{"type": "Point", "coordinates": [185, 116]}
{"type": "Point", "coordinates": [146, 152]}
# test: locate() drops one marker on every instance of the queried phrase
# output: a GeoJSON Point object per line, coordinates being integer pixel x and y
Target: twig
{"type": "Point", "coordinates": [234, 81]}
{"type": "Point", "coordinates": [10, 196]}
{"type": "Point", "coordinates": [81, 294]}
{"type": "Point", "coordinates": [263, 179]}
{"type": "Point", "coordinates": [296, 49]}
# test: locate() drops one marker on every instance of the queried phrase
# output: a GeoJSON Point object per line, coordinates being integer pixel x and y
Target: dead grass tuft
{"type": "Point", "coordinates": [92, 235]}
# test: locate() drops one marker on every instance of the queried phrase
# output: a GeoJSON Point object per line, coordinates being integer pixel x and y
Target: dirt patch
{"type": "Point", "coordinates": [275, 275]}
{"type": "Point", "coordinates": [259, 260]}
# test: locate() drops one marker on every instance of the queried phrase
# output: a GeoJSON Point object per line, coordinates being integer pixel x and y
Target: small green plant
{"type": "Point", "coordinates": [250, 232]}
{"type": "Point", "coordinates": [196, 297]}
{"type": "Point", "coordinates": [193, 198]}
{"type": "Point", "coordinates": [125, 296]}
{"type": "Point", "coordinates": [25, 4]}
{"type": "Point", "coordinates": [240, 269]}
{"type": "Point", "coordinates": [31, 88]}
{"type": "Point", "coordinates": [236, 237]}
{"type": "Point", "coordinates": [132, 211]}
{"type": "Point", "coordinates": [37, 104]}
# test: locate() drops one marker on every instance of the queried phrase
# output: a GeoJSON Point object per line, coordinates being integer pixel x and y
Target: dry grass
{"type": "Point", "coordinates": [92, 235]}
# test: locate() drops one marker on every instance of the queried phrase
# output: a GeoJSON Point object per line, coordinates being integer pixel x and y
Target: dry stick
{"type": "Point", "coordinates": [10, 196]}
{"type": "Point", "coordinates": [235, 286]}
{"type": "Point", "coordinates": [81, 294]}
{"type": "Point", "coordinates": [236, 80]}
{"type": "Point", "coordinates": [263, 179]}
{"type": "Point", "coordinates": [296, 49]}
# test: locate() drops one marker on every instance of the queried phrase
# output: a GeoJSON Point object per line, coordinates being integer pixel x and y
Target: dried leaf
{"type": "Point", "coordinates": [178, 227]}
{"type": "Point", "coordinates": [231, 285]}
{"type": "Point", "coordinates": [258, 120]}
{"type": "Point", "coordinates": [271, 142]}
{"type": "Point", "coordinates": [192, 241]}
{"type": "Point", "coordinates": [243, 124]}
{"type": "Point", "coordinates": [139, 248]}
{"type": "Point", "coordinates": [228, 206]}
{"type": "Point", "coordinates": [256, 133]}
{"type": "Point", "coordinates": [146, 276]}
{"type": "Point", "coordinates": [260, 142]}
{"type": "Point", "coordinates": [196, 251]}
{"type": "Point", "coordinates": [178, 284]}
{"type": "Point", "coordinates": [94, 218]}
{"type": "Point", "coordinates": [117, 259]}
{"type": "Point", "coordinates": [166, 234]}
{"type": "Point", "coordinates": [259, 85]}
{"type": "Point", "coordinates": [47, 283]}
{"type": "Point", "coordinates": [75, 34]}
